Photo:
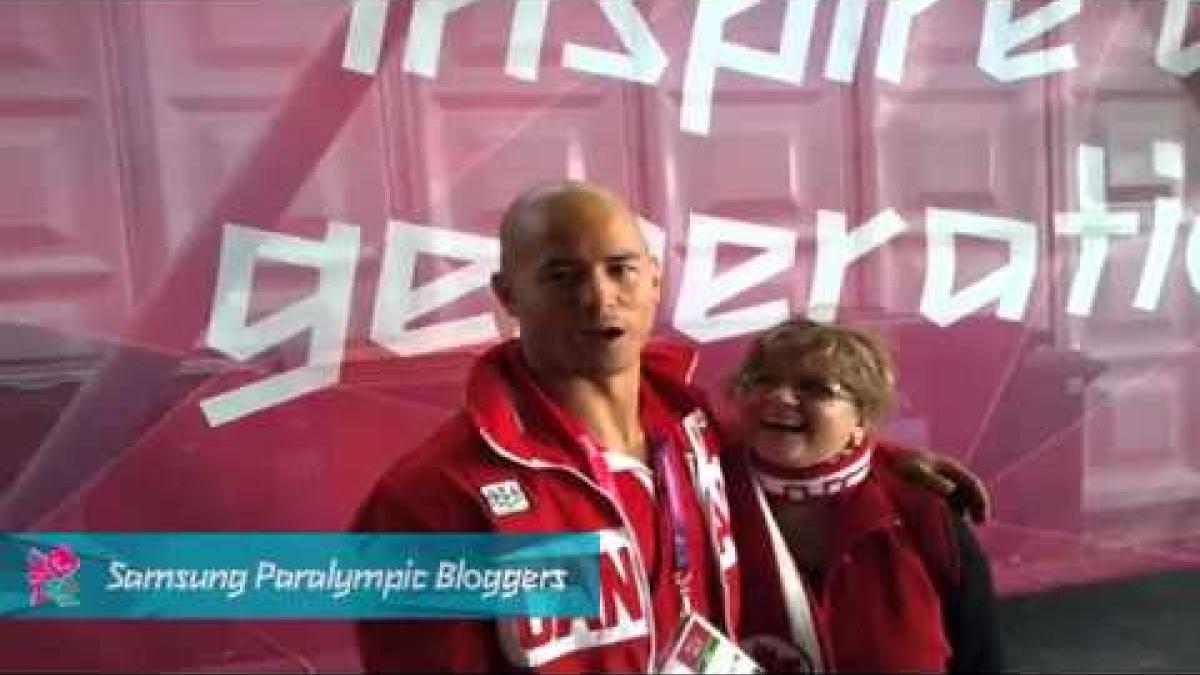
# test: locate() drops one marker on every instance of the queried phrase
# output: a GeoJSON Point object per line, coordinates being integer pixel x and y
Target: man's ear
{"type": "Point", "coordinates": [656, 274]}
{"type": "Point", "coordinates": [503, 290]}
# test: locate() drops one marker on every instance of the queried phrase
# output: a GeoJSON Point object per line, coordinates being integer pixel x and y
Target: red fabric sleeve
{"type": "Point", "coordinates": [420, 500]}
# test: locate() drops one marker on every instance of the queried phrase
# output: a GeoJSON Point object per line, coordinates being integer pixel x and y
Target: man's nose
{"type": "Point", "coordinates": [598, 290]}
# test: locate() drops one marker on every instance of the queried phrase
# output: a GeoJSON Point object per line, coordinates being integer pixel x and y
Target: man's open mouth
{"type": "Point", "coordinates": [609, 333]}
{"type": "Point", "coordinates": [786, 426]}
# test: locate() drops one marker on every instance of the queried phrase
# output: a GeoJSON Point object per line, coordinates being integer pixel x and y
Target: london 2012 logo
{"type": "Point", "coordinates": [51, 577]}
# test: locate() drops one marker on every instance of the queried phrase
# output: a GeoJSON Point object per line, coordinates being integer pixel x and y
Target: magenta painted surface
{"type": "Point", "coordinates": [131, 133]}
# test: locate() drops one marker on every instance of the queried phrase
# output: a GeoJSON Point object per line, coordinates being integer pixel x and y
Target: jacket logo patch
{"type": "Point", "coordinates": [505, 498]}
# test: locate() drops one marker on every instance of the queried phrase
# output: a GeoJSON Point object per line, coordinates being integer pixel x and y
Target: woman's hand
{"type": "Point", "coordinates": [962, 489]}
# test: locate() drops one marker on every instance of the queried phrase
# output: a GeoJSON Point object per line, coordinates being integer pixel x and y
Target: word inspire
{"type": "Point", "coordinates": [1003, 54]}
{"type": "Point", "coordinates": [401, 301]}
{"type": "Point", "coordinates": [450, 576]}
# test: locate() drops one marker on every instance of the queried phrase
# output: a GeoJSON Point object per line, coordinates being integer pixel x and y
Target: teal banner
{"type": "Point", "coordinates": [297, 575]}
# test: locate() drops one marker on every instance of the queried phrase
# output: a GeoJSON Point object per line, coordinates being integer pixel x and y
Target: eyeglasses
{"type": "Point", "coordinates": [807, 388]}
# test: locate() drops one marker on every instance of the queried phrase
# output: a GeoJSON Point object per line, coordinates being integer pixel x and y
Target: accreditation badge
{"type": "Point", "coordinates": [700, 648]}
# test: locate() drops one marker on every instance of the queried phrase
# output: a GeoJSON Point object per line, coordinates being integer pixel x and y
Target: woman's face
{"type": "Point", "coordinates": [799, 421]}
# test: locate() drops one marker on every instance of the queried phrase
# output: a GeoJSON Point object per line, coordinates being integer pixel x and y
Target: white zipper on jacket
{"type": "Point", "coordinates": [714, 537]}
{"type": "Point", "coordinates": [699, 447]}
{"type": "Point", "coordinates": [643, 580]}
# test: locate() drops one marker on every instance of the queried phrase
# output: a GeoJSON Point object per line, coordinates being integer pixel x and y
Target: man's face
{"type": "Point", "coordinates": [583, 290]}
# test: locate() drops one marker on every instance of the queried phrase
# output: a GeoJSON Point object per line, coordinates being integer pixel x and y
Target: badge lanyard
{"type": "Point", "coordinates": [667, 478]}
{"type": "Point", "coordinates": [665, 465]}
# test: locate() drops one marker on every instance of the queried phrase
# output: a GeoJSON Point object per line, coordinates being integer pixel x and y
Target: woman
{"type": "Point", "coordinates": [847, 566]}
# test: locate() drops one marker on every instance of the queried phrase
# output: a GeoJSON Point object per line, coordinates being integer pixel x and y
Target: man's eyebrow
{"type": "Point", "coordinates": [558, 263]}
{"type": "Point", "coordinates": [624, 256]}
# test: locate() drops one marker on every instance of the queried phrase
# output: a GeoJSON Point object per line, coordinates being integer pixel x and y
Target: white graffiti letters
{"type": "Point", "coordinates": [1003, 44]}
{"type": "Point", "coordinates": [414, 316]}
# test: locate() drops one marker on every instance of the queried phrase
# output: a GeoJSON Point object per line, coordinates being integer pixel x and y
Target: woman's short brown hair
{"type": "Point", "coordinates": [851, 358]}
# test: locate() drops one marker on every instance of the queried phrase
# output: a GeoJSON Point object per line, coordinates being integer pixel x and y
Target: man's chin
{"type": "Point", "coordinates": [610, 362]}
{"type": "Point", "coordinates": [589, 360]}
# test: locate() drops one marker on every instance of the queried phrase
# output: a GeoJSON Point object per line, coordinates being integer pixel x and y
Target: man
{"type": "Point", "coordinates": [573, 414]}
{"type": "Point", "coordinates": [586, 425]}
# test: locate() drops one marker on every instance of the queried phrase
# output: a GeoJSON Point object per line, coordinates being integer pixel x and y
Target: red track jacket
{"type": "Point", "coordinates": [896, 569]}
{"type": "Point", "coordinates": [507, 433]}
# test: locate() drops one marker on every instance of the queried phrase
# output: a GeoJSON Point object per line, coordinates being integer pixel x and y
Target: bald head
{"type": "Point", "coordinates": [576, 274]}
{"type": "Point", "coordinates": [551, 206]}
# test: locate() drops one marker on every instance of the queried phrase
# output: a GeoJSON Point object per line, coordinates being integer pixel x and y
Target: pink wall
{"type": "Point", "coordinates": [145, 145]}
